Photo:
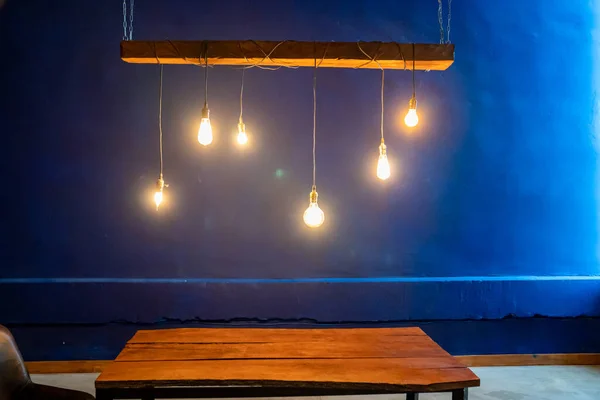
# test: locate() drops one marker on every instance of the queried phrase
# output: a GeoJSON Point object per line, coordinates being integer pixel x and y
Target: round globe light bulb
{"type": "Point", "coordinates": [314, 216]}
{"type": "Point", "coordinates": [412, 119]}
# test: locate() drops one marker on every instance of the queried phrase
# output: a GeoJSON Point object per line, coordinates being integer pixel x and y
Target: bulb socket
{"type": "Point", "coordinates": [412, 103]}
{"type": "Point", "coordinates": [205, 112]}
{"type": "Point", "coordinates": [160, 184]}
{"type": "Point", "coordinates": [241, 127]}
{"type": "Point", "coordinates": [313, 195]}
{"type": "Point", "coordinates": [382, 148]}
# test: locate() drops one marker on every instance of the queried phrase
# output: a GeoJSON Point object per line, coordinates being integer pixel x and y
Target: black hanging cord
{"type": "Point", "coordinates": [160, 132]}
{"type": "Point", "coordinates": [242, 96]}
{"type": "Point", "coordinates": [382, 85]}
{"type": "Point", "coordinates": [413, 70]}
{"type": "Point", "coordinates": [205, 74]}
{"type": "Point", "coordinates": [315, 120]}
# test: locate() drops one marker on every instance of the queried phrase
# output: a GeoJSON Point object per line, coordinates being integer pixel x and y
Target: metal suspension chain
{"type": "Point", "coordinates": [124, 20]}
{"type": "Point", "coordinates": [440, 20]}
{"type": "Point", "coordinates": [131, 2]}
{"type": "Point", "coordinates": [449, 19]}
{"type": "Point", "coordinates": [128, 35]}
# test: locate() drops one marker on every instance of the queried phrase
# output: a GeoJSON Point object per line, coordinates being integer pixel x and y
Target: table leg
{"type": "Point", "coordinates": [460, 394]}
{"type": "Point", "coordinates": [412, 396]}
{"type": "Point", "coordinates": [102, 395]}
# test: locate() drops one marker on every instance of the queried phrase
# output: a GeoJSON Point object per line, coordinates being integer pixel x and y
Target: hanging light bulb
{"type": "Point", "coordinates": [205, 134]}
{"type": "Point", "coordinates": [158, 195]}
{"type": "Point", "coordinates": [383, 165]}
{"type": "Point", "coordinates": [242, 137]}
{"type": "Point", "coordinates": [313, 216]}
{"type": "Point", "coordinates": [412, 119]}
{"type": "Point", "coordinates": [160, 183]}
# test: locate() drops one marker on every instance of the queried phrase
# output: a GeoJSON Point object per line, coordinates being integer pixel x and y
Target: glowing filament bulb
{"type": "Point", "coordinates": [205, 135]}
{"type": "Point", "coordinates": [242, 137]}
{"type": "Point", "coordinates": [412, 119]}
{"type": "Point", "coordinates": [313, 216]}
{"type": "Point", "coordinates": [158, 196]}
{"type": "Point", "coordinates": [383, 165]}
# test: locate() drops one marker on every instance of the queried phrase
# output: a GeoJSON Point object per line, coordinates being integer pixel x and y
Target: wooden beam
{"type": "Point", "coordinates": [492, 360]}
{"type": "Point", "coordinates": [271, 54]}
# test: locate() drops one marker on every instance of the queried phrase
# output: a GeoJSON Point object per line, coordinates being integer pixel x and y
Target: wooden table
{"type": "Point", "coordinates": [241, 362]}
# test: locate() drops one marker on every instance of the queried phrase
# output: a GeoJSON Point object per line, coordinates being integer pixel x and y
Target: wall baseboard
{"type": "Point", "coordinates": [495, 360]}
{"type": "Point", "coordinates": [66, 367]}
{"type": "Point", "coordinates": [514, 360]}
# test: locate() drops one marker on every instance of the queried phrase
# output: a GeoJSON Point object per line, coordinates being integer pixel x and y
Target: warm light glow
{"type": "Point", "coordinates": [314, 216]}
{"type": "Point", "coordinates": [242, 137]}
{"type": "Point", "coordinates": [205, 135]}
{"type": "Point", "coordinates": [158, 198]}
{"type": "Point", "coordinates": [412, 119]}
{"type": "Point", "coordinates": [383, 167]}
{"type": "Point", "coordinates": [158, 195]}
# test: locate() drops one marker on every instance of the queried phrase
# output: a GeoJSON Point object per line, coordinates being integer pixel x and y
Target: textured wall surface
{"type": "Point", "coordinates": [492, 211]}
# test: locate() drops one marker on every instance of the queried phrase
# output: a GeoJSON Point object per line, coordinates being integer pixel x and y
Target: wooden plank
{"type": "Point", "coordinates": [382, 374]}
{"type": "Point", "coordinates": [425, 361]}
{"type": "Point", "coordinates": [494, 360]}
{"type": "Point", "coordinates": [412, 346]}
{"type": "Point", "coordinates": [389, 55]}
{"type": "Point", "coordinates": [261, 335]}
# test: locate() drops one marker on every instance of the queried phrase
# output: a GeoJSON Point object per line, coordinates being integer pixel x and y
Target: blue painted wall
{"type": "Point", "coordinates": [493, 211]}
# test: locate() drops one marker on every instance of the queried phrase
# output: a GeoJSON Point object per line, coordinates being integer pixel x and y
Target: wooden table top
{"type": "Point", "coordinates": [378, 359]}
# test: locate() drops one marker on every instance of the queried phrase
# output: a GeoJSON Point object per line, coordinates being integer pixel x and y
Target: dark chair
{"type": "Point", "coordinates": [15, 383]}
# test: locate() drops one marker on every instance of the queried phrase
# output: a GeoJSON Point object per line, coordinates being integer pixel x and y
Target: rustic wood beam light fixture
{"type": "Point", "coordinates": [272, 55]}
{"type": "Point", "coordinates": [372, 55]}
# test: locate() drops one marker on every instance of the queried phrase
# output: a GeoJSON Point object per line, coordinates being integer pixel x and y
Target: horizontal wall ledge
{"type": "Point", "coordinates": [378, 279]}
{"type": "Point", "coordinates": [102, 300]}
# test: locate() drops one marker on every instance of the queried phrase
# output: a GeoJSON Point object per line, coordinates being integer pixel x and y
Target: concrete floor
{"type": "Point", "coordinates": [497, 383]}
